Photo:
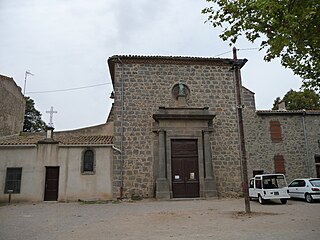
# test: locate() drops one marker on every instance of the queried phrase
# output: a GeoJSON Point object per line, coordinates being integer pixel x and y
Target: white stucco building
{"type": "Point", "coordinates": [64, 166]}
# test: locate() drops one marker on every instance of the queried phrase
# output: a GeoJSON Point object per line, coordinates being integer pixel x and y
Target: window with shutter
{"type": "Point", "coordinates": [275, 131]}
{"type": "Point", "coordinates": [279, 164]}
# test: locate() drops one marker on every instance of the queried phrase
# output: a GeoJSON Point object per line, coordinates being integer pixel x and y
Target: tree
{"type": "Point", "coordinates": [288, 29]}
{"type": "Point", "coordinates": [32, 118]}
{"type": "Point", "coordinates": [306, 99]}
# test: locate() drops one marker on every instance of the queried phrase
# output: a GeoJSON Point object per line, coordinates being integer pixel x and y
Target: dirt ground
{"type": "Point", "coordinates": [151, 219]}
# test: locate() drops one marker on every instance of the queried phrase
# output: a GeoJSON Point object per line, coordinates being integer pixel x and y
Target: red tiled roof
{"type": "Point", "coordinates": [63, 139]}
{"type": "Point", "coordinates": [85, 140]}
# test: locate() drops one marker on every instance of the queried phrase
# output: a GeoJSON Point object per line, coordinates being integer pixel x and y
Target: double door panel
{"type": "Point", "coordinates": [185, 172]}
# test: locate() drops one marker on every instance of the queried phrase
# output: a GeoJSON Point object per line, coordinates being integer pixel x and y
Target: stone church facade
{"type": "Point", "coordinates": [187, 145]}
{"type": "Point", "coordinates": [156, 128]}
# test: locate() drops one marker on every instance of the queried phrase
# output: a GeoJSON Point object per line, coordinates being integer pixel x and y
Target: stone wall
{"type": "Point", "coordinates": [12, 107]}
{"type": "Point", "coordinates": [148, 86]}
{"type": "Point", "coordinates": [299, 144]}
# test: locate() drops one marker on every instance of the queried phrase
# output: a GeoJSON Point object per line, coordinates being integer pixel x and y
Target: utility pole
{"type": "Point", "coordinates": [243, 157]}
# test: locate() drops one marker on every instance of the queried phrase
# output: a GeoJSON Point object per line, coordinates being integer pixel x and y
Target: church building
{"type": "Point", "coordinates": [172, 132]}
{"type": "Point", "coordinates": [176, 124]}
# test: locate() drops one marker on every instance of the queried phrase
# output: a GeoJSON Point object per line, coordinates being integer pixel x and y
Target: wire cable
{"type": "Point", "coordinates": [240, 49]}
{"type": "Point", "coordinates": [70, 89]}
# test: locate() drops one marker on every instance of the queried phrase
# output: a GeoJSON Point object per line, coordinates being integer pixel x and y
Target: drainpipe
{"type": "Point", "coordinates": [121, 130]}
{"type": "Point", "coordinates": [306, 141]}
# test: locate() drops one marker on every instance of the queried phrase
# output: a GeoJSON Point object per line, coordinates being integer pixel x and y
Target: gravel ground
{"type": "Point", "coordinates": [151, 219]}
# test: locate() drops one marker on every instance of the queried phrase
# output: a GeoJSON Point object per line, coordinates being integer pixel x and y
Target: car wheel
{"type": "Point", "coordinates": [260, 199]}
{"type": "Point", "coordinates": [308, 198]}
{"type": "Point", "coordinates": [283, 201]}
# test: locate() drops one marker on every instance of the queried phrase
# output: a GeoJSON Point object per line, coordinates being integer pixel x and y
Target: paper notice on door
{"type": "Point", "coordinates": [176, 177]}
{"type": "Point", "coordinates": [192, 176]}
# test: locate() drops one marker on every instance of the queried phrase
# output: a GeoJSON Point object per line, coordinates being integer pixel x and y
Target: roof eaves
{"type": "Point", "coordinates": [86, 145]}
{"type": "Point", "coordinates": [18, 145]}
{"type": "Point", "coordinates": [288, 112]}
{"type": "Point", "coordinates": [169, 60]}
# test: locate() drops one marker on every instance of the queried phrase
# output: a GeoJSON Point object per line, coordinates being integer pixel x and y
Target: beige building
{"type": "Point", "coordinates": [65, 166]}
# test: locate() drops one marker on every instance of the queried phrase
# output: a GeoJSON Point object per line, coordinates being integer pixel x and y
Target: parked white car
{"type": "Point", "coordinates": [305, 188]}
{"type": "Point", "coordinates": [269, 186]}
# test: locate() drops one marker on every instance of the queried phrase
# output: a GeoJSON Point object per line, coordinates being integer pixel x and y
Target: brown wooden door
{"type": "Point", "coordinates": [52, 184]}
{"type": "Point", "coordinates": [185, 173]}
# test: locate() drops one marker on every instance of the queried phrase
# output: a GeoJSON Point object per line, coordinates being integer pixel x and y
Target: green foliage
{"type": "Point", "coordinates": [288, 29]}
{"type": "Point", "coordinates": [276, 103]}
{"type": "Point", "coordinates": [306, 99]}
{"type": "Point", "coordinates": [136, 197]}
{"type": "Point", "coordinates": [32, 118]}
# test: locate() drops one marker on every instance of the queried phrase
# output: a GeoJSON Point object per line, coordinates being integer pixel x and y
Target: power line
{"type": "Point", "coordinates": [240, 49]}
{"type": "Point", "coordinates": [245, 49]}
{"type": "Point", "coordinates": [223, 53]}
{"type": "Point", "coordinates": [70, 89]}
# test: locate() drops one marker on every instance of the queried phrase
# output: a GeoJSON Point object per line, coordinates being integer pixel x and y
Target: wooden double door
{"type": "Point", "coordinates": [184, 168]}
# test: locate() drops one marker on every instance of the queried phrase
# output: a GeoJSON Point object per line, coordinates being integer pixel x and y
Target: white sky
{"type": "Point", "coordinates": [65, 44]}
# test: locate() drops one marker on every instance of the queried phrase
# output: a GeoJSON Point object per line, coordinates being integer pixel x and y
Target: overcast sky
{"type": "Point", "coordinates": [65, 44]}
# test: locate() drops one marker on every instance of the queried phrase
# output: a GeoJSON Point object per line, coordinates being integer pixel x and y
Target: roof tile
{"type": "Point", "coordinates": [63, 139]}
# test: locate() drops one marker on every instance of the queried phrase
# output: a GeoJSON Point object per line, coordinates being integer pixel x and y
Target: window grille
{"type": "Point", "coordinates": [13, 180]}
{"type": "Point", "coordinates": [88, 163]}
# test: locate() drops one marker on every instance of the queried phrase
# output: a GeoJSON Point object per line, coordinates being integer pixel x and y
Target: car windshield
{"type": "Point", "coordinates": [274, 181]}
{"type": "Point", "coordinates": [315, 182]}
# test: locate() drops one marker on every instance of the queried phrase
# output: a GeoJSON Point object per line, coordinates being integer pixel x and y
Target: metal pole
{"type": "Point", "coordinates": [10, 192]}
{"type": "Point", "coordinates": [25, 83]}
{"type": "Point", "coordinates": [306, 143]}
{"type": "Point", "coordinates": [241, 134]}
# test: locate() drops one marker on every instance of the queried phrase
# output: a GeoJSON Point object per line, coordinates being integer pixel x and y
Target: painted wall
{"type": "Point", "coordinates": [73, 185]}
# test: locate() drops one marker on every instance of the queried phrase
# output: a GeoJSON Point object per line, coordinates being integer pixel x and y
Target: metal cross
{"type": "Point", "coordinates": [51, 112]}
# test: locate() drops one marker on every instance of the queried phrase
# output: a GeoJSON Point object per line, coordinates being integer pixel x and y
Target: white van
{"type": "Point", "coordinates": [269, 186]}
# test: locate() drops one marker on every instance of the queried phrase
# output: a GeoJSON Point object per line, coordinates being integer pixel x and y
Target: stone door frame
{"type": "Point", "coordinates": [183, 123]}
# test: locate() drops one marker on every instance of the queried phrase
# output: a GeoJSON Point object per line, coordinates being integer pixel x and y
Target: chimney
{"type": "Point", "coordinates": [282, 106]}
{"type": "Point", "coordinates": [49, 133]}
